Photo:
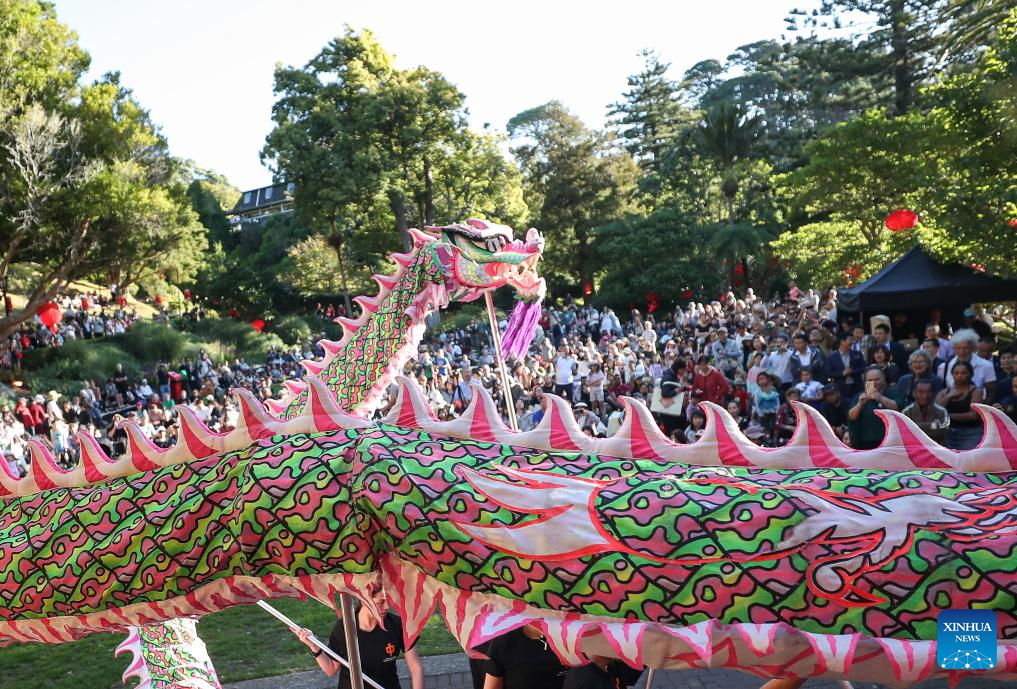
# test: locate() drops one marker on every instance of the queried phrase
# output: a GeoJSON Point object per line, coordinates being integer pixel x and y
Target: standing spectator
{"type": "Point", "coordinates": [881, 339]}
{"type": "Point", "coordinates": [765, 404]}
{"type": "Point", "coordinates": [932, 332]}
{"type": "Point", "coordinates": [40, 420]}
{"type": "Point", "coordinates": [880, 358]}
{"type": "Point", "coordinates": [810, 391]}
{"type": "Point", "coordinates": [806, 357]}
{"type": "Point", "coordinates": [965, 425]}
{"type": "Point", "coordinates": [565, 369]}
{"type": "Point", "coordinates": [726, 352]}
{"type": "Point", "coordinates": [778, 362]}
{"type": "Point", "coordinates": [984, 373]}
{"type": "Point", "coordinates": [709, 383]}
{"type": "Point", "coordinates": [930, 417]}
{"type": "Point", "coordinates": [865, 428]}
{"type": "Point", "coordinates": [844, 367]}
{"type": "Point", "coordinates": [595, 385]}
{"type": "Point", "coordinates": [1009, 403]}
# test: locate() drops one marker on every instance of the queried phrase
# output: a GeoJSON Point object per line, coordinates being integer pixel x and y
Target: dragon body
{"type": "Point", "coordinates": [808, 560]}
{"type": "Point", "coordinates": [460, 261]}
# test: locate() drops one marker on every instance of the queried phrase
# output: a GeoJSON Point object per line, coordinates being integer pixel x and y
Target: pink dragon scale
{"type": "Point", "coordinates": [811, 560]}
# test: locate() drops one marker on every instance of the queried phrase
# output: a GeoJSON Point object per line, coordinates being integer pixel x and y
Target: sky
{"type": "Point", "coordinates": [204, 68]}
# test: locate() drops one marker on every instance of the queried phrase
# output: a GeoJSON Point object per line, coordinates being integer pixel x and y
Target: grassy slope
{"type": "Point", "coordinates": [244, 643]}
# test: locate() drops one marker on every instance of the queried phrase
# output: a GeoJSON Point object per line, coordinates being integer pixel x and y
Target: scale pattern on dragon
{"type": "Point", "coordinates": [811, 560]}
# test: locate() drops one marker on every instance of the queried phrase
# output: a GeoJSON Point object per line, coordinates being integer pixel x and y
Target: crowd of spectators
{"type": "Point", "coordinates": [84, 317]}
{"type": "Point", "coordinates": [752, 357]}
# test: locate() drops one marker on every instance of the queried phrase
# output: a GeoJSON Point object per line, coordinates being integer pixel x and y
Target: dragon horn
{"type": "Point", "coordinates": [324, 411]}
{"type": "Point", "coordinates": [411, 409]}
{"type": "Point", "coordinates": [44, 472]}
{"type": "Point", "coordinates": [142, 452]}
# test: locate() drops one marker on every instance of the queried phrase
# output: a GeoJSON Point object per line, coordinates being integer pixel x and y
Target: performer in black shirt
{"type": "Point", "coordinates": [522, 659]}
{"type": "Point", "coordinates": [379, 648]}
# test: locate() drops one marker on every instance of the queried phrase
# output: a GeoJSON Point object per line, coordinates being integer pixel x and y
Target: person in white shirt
{"type": "Point", "coordinates": [565, 369]}
{"type": "Point", "coordinates": [811, 390]}
{"type": "Point", "coordinates": [964, 342]}
{"type": "Point", "coordinates": [778, 361]}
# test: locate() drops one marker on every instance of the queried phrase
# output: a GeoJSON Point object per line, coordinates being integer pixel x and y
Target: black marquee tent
{"type": "Point", "coordinates": [918, 281]}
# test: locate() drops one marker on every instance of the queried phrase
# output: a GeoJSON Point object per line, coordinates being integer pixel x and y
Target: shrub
{"type": "Point", "coordinates": [153, 342]}
{"type": "Point", "coordinates": [292, 329]}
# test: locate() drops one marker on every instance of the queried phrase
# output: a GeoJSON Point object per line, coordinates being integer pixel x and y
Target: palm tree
{"type": "Point", "coordinates": [730, 132]}
{"type": "Point", "coordinates": [735, 245]}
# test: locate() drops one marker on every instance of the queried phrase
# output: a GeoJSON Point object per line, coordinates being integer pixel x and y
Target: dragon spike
{"type": "Point", "coordinates": [386, 283]}
{"type": "Point", "coordinates": [1000, 433]}
{"type": "Point", "coordinates": [645, 439]}
{"type": "Point", "coordinates": [254, 420]}
{"type": "Point", "coordinates": [419, 236]}
{"type": "Point", "coordinates": [349, 326]}
{"type": "Point", "coordinates": [367, 304]}
{"type": "Point", "coordinates": [325, 412]}
{"type": "Point", "coordinates": [294, 387]}
{"type": "Point", "coordinates": [411, 409]}
{"type": "Point", "coordinates": [44, 472]}
{"type": "Point", "coordinates": [142, 452]}
{"type": "Point", "coordinates": [98, 465]}
{"type": "Point", "coordinates": [560, 424]}
{"type": "Point", "coordinates": [277, 407]}
{"type": "Point", "coordinates": [403, 260]}
{"type": "Point", "coordinates": [137, 669]}
{"type": "Point", "coordinates": [192, 434]}
{"type": "Point", "coordinates": [331, 347]}
{"type": "Point", "coordinates": [482, 412]}
{"type": "Point", "coordinates": [312, 367]}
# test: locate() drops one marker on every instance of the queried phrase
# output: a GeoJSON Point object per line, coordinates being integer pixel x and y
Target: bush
{"type": "Point", "coordinates": [292, 329]}
{"type": "Point", "coordinates": [65, 368]}
{"type": "Point", "coordinates": [152, 343]}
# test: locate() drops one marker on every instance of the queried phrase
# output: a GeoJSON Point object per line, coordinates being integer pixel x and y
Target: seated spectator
{"type": "Point", "coordinates": [697, 426]}
{"type": "Point", "coordinates": [786, 415]}
{"type": "Point", "coordinates": [1009, 403]}
{"type": "Point", "coordinates": [921, 369]}
{"type": "Point", "coordinates": [965, 431]}
{"type": "Point", "coordinates": [809, 390]}
{"type": "Point", "coordinates": [834, 409]}
{"type": "Point", "coordinates": [932, 418]}
{"type": "Point", "coordinates": [866, 429]}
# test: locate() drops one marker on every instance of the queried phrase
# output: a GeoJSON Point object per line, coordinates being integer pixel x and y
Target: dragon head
{"type": "Point", "coordinates": [484, 256]}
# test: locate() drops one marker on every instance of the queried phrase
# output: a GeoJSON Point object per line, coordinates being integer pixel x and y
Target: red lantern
{"type": "Point", "coordinates": [187, 294]}
{"type": "Point", "coordinates": [233, 313]}
{"type": "Point", "coordinates": [158, 299]}
{"type": "Point", "coordinates": [651, 302]}
{"type": "Point", "coordinates": [686, 294]}
{"type": "Point", "coordinates": [1013, 222]}
{"type": "Point", "coordinates": [50, 314]}
{"type": "Point", "coordinates": [587, 288]}
{"type": "Point", "coordinates": [258, 324]}
{"type": "Point", "coordinates": [739, 269]}
{"type": "Point", "coordinates": [901, 220]}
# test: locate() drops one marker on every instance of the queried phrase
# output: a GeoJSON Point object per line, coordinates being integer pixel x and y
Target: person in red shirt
{"type": "Point", "coordinates": [712, 384]}
{"type": "Point", "coordinates": [24, 415]}
{"type": "Point", "coordinates": [40, 419]}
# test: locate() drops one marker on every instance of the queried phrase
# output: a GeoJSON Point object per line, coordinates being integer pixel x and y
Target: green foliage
{"type": "Point", "coordinates": [575, 180]}
{"type": "Point", "coordinates": [292, 329]}
{"type": "Point", "coordinates": [87, 184]}
{"type": "Point", "coordinates": [624, 245]}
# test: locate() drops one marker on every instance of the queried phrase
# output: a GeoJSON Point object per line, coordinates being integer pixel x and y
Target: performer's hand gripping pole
{"type": "Point", "coordinates": [356, 675]}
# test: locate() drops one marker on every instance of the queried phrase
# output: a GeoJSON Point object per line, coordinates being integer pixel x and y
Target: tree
{"type": "Point", "coordinates": [576, 180]}
{"type": "Point", "coordinates": [648, 117]}
{"type": "Point", "coordinates": [87, 185]}
{"type": "Point", "coordinates": [730, 132]}
{"type": "Point", "coordinates": [914, 39]}
{"type": "Point", "coordinates": [663, 253]}
{"type": "Point", "coordinates": [371, 148]}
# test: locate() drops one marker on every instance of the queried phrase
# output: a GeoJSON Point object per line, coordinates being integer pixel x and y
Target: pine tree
{"type": "Point", "coordinates": [650, 114]}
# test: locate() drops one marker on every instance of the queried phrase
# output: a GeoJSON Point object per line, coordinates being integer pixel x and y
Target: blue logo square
{"type": "Point", "coordinates": [966, 639]}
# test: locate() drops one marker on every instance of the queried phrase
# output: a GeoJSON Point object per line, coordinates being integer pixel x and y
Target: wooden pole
{"type": "Point", "coordinates": [506, 387]}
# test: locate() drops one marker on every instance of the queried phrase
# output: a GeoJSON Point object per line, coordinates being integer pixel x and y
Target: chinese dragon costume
{"type": "Point", "coordinates": [810, 560]}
